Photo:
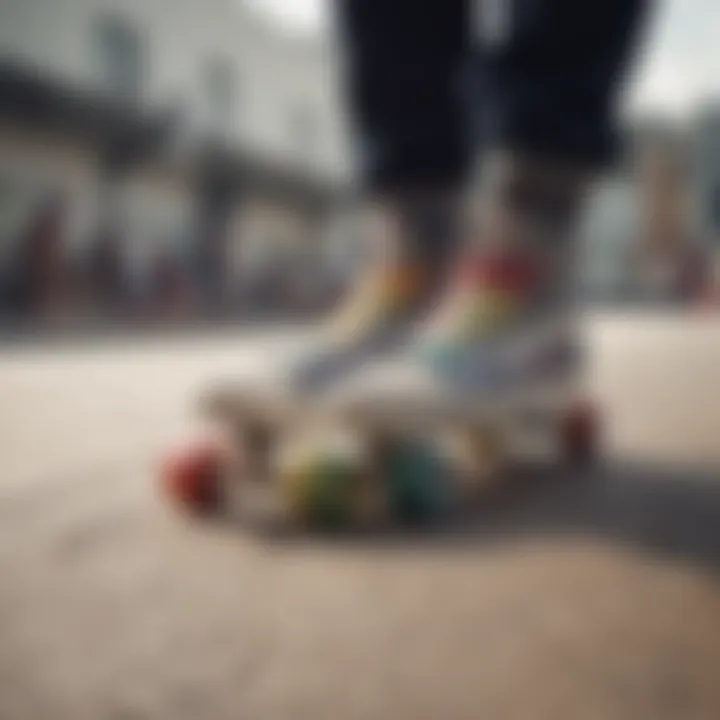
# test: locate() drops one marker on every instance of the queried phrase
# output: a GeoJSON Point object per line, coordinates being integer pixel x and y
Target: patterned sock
{"type": "Point", "coordinates": [519, 262]}
{"type": "Point", "coordinates": [413, 242]}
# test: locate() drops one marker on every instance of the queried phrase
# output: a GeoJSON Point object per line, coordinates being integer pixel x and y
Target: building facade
{"type": "Point", "coordinates": [194, 129]}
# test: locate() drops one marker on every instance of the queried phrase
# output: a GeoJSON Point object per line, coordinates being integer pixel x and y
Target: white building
{"type": "Point", "coordinates": [246, 106]}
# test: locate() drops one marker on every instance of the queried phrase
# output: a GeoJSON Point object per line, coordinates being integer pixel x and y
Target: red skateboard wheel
{"type": "Point", "coordinates": [191, 475]}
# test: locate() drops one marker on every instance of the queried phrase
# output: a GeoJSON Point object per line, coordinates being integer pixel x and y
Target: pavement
{"type": "Point", "coordinates": [594, 596]}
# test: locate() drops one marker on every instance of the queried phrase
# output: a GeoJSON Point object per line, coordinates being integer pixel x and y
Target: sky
{"type": "Point", "coordinates": [679, 63]}
{"type": "Point", "coordinates": [301, 15]}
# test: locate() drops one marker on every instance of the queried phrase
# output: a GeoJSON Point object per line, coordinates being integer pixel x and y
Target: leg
{"type": "Point", "coordinates": [405, 62]}
{"type": "Point", "coordinates": [550, 72]}
{"type": "Point", "coordinates": [404, 65]}
{"type": "Point", "coordinates": [547, 77]}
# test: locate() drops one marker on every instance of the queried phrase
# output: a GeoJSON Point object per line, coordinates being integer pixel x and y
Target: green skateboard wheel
{"type": "Point", "coordinates": [319, 489]}
{"type": "Point", "coordinates": [417, 483]}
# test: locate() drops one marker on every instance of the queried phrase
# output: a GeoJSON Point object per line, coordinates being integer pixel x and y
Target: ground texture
{"type": "Point", "coordinates": [594, 597]}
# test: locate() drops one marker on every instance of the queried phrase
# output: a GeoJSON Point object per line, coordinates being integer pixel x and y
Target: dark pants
{"type": "Point", "coordinates": [432, 82]}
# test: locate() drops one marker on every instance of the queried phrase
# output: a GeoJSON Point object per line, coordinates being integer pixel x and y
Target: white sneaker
{"type": "Point", "coordinates": [495, 343]}
{"type": "Point", "coordinates": [374, 321]}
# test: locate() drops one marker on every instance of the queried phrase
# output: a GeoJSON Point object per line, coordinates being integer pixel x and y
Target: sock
{"type": "Point", "coordinates": [412, 239]}
{"type": "Point", "coordinates": [519, 260]}
{"type": "Point", "coordinates": [531, 206]}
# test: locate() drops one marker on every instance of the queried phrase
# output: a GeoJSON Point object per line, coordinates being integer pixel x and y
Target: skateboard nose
{"type": "Point", "coordinates": [214, 402]}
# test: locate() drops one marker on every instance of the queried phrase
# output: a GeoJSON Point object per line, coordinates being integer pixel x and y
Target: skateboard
{"type": "Point", "coordinates": [284, 464]}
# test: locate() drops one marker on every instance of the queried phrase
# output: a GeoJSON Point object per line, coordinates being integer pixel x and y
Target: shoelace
{"type": "Point", "coordinates": [381, 297]}
{"type": "Point", "coordinates": [490, 290]}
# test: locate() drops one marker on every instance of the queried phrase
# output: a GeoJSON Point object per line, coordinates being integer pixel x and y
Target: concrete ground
{"type": "Point", "coordinates": [572, 597]}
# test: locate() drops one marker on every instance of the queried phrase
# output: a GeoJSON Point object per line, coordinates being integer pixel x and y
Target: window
{"type": "Point", "coordinates": [219, 92]}
{"type": "Point", "coordinates": [119, 58]}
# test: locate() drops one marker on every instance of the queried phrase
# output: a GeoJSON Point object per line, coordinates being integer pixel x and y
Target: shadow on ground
{"type": "Point", "coordinates": [672, 513]}
{"type": "Point", "coordinates": [666, 511]}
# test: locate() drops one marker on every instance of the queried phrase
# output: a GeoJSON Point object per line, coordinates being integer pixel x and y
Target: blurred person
{"type": "Point", "coordinates": [169, 285]}
{"type": "Point", "coordinates": [666, 263]}
{"type": "Point", "coordinates": [509, 104]}
{"type": "Point", "coordinates": [38, 264]}
{"type": "Point", "coordinates": [209, 261]}
{"type": "Point", "coordinates": [106, 270]}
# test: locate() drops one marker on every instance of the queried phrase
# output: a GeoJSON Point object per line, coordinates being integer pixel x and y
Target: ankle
{"type": "Point", "coordinates": [530, 200]}
{"type": "Point", "coordinates": [529, 208]}
{"type": "Point", "coordinates": [419, 228]}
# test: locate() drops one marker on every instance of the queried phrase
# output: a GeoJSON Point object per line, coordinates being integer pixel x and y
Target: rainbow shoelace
{"type": "Point", "coordinates": [489, 294]}
{"type": "Point", "coordinates": [383, 297]}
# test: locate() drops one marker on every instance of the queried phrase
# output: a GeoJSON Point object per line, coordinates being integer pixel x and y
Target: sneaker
{"type": "Point", "coordinates": [504, 332]}
{"type": "Point", "coordinates": [374, 319]}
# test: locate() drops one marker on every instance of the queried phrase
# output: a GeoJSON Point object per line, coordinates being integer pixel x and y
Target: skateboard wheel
{"type": "Point", "coordinates": [580, 434]}
{"type": "Point", "coordinates": [318, 488]}
{"type": "Point", "coordinates": [416, 479]}
{"type": "Point", "coordinates": [192, 476]}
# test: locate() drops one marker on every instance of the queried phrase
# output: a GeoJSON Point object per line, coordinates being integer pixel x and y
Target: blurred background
{"type": "Point", "coordinates": [177, 162]}
{"type": "Point", "coordinates": [163, 160]}
{"type": "Point", "coordinates": [186, 164]}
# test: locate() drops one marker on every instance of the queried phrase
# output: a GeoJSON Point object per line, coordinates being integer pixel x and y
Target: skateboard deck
{"type": "Point", "coordinates": [309, 464]}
